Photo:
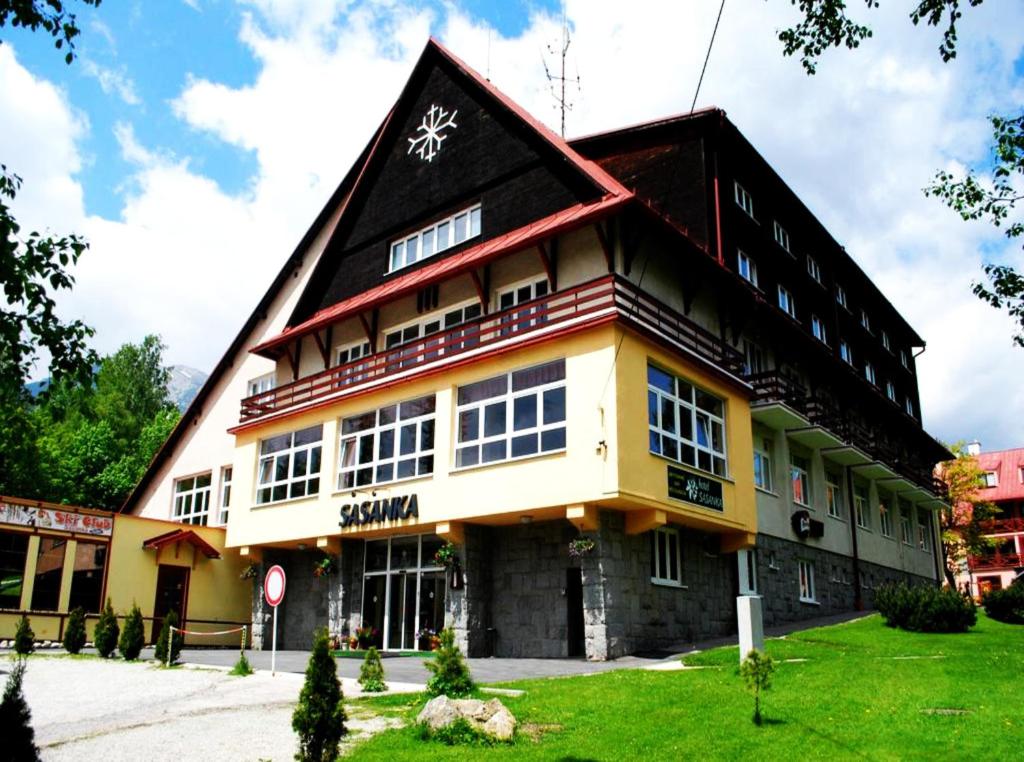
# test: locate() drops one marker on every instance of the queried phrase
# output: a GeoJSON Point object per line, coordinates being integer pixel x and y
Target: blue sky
{"type": "Point", "coordinates": [193, 143]}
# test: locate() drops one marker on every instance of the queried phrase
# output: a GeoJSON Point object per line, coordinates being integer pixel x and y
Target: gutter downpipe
{"type": "Point", "coordinates": [858, 599]}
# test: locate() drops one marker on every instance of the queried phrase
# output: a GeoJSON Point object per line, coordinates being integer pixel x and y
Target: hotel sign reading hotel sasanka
{"type": "Point", "coordinates": [379, 511]}
{"type": "Point", "coordinates": [691, 488]}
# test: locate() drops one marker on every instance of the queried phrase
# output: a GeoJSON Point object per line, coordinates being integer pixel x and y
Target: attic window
{"type": "Point", "coordinates": [435, 238]}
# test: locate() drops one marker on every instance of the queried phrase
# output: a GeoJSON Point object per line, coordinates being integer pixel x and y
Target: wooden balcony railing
{"type": "Point", "coordinates": [996, 561]}
{"type": "Point", "coordinates": [607, 295]}
{"type": "Point", "coordinates": [1003, 525]}
{"type": "Point", "coordinates": [773, 386]}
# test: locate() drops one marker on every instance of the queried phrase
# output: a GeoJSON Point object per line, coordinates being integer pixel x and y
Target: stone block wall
{"type": "Point", "coordinates": [306, 605]}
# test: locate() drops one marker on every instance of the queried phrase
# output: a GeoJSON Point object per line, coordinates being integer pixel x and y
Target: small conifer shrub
{"type": "Point", "coordinates": [925, 608]}
{"type": "Point", "coordinates": [319, 718]}
{"type": "Point", "coordinates": [74, 632]}
{"type": "Point", "coordinates": [19, 740]}
{"type": "Point", "coordinates": [371, 674]}
{"type": "Point", "coordinates": [165, 639]}
{"type": "Point", "coordinates": [107, 632]}
{"type": "Point", "coordinates": [242, 667]}
{"type": "Point", "coordinates": [133, 636]}
{"type": "Point", "coordinates": [756, 671]}
{"type": "Point", "coordinates": [451, 675]}
{"type": "Point", "coordinates": [24, 638]}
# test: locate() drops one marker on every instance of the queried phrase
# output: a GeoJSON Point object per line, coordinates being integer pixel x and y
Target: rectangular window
{"type": "Point", "coordinates": [746, 561]}
{"type": "Point", "coordinates": [781, 236]}
{"type": "Point", "coordinates": [818, 329]}
{"type": "Point", "coordinates": [860, 506]}
{"type": "Point", "coordinates": [890, 390]}
{"type": "Point", "coordinates": [834, 494]}
{"type": "Point", "coordinates": [262, 384]}
{"type": "Point", "coordinates": [786, 303]}
{"type": "Point", "coordinates": [421, 331]}
{"type": "Point", "coordinates": [813, 268]}
{"type": "Point", "coordinates": [743, 199]}
{"type": "Point", "coordinates": [885, 342]}
{"type": "Point", "coordinates": [666, 557]}
{"type": "Point", "coordinates": [908, 405]}
{"type": "Point", "coordinates": [513, 297]}
{"type": "Point", "coordinates": [869, 373]}
{"type": "Point", "coordinates": [763, 465]}
{"type": "Point", "coordinates": [49, 570]}
{"type": "Point", "coordinates": [289, 465]}
{"type": "Point", "coordinates": [841, 296]}
{"type": "Point", "coordinates": [884, 519]}
{"type": "Point", "coordinates": [225, 492]}
{"type": "Point", "coordinates": [685, 423]}
{"type": "Point", "coordinates": [352, 352]}
{"type": "Point", "coordinates": [192, 499]}
{"type": "Point", "coordinates": [989, 479]}
{"type": "Point", "coordinates": [906, 528]}
{"type": "Point", "coordinates": [514, 415]}
{"type": "Point", "coordinates": [435, 238]}
{"type": "Point", "coordinates": [800, 479]}
{"type": "Point", "coordinates": [392, 443]}
{"type": "Point", "coordinates": [13, 554]}
{"type": "Point", "coordinates": [903, 359]}
{"type": "Point", "coordinates": [747, 268]}
{"type": "Point", "coordinates": [845, 353]}
{"type": "Point", "coordinates": [87, 577]}
{"type": "Point", "coordinates": [806, 572]}
{"type": "Point", "coordinates": [754, 360]}
{"type": "Point", "coordinates": [865, 320]}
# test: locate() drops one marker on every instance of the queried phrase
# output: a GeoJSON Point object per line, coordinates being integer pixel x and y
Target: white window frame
{"type": "Point", "coordinates": [535, 288]}
{"type": "Point", "coordinates": [841, 296]}
{"type": "Point", "coordinates": [754, 357]}
{"type": "Point", "coordinates": [746, 563]}
{"type": "Point", "coordinates": [781, 235]}
{"type": "Point", "coordinates": [813, 268]}
{"type": "Point", "coordinates": [430, 324]}
{"type": "Point", "coordinates": [799, 474]}
{"type": "Point", "coordinates": [786, 302]}
{"type": "Point", "coordinates": [763, 465]}
{"type": "Point", "coordinates": [884, 519]}
{"type": "Point", "coordinates": [805, 581]}
{"type": "Point", "coordinates": [191, 505]}
{"type": "Point", "coordinates": [885, 342]}
{"type": "Point", "coordinates": [261, 384]}
{"type": "Point", "coordinates": [664, 576]}
{"type": "Point", "coordinates": [845, 353]}
{"type": "Point", "coordinates": [388, 425]}
{"type": "Point", "coordinates": [906, 524]}
{"type": "Point", "coordinates": [818, 329]}
{"type": "Point", "coordinates": [398, 249]}
{"type": "Point", "coordinates": [226, 475]}
{"type": "Point", "coordinates": [869, 373]}
{"type": "Point", "coordinates": [747, 268]}
{"type": "Point", "coordinates": [861, 507]}
{"type": "Point", "coordinates": [989, 479]}
{"type": "Point", "coordinates": [924, 530]}
{"type": "Point", "coordinates": [346, 353]}
{"type": "Point", "coordinates": [743, 199]}
{"type": "Point", "coordinates": [834, 494]}
{"type": "Point", "coordinates": [890, 390]}
{"type": "Point", "coordinates": [865, 320]}
{"type": "Point", "coordinates": [478, 410]}
{"type": "Point", "coordinates": [310, 478]}
{"type": "Point", "coordinates": [700, 418]}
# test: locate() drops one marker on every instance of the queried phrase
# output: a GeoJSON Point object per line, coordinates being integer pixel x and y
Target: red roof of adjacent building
{"type": "Point", "coordinates": [1008, 466]}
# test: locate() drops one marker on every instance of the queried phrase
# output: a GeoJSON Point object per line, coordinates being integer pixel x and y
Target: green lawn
{"type": "Point", "coordinates": [850, 698]}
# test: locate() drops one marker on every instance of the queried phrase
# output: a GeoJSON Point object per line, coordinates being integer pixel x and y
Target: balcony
{"type": "Point", "coordinates": [1003, 526]}
{"type": "Point", "coordinates": [996, 562]}
{"type": "Point", "coordinates": [606, 298]}
{"type": "Point", "coordinates": [779, 400]}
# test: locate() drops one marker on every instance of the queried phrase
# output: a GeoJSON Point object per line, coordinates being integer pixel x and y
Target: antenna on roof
{"type": "Point", "coordinates": [557, 82]}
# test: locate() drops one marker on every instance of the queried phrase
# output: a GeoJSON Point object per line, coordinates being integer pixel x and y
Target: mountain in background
{"type": "Point", "coordinates": [182, 387]}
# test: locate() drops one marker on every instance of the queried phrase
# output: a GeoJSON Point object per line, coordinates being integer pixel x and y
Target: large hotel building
{"type": "Point", "coordinates": [496, 338]}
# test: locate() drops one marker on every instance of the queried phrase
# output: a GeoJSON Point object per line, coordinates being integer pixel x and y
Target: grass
{"type": "Point", "coordinates": [848, 697]}
{"type": "Point", "coordinates": [360, 654]}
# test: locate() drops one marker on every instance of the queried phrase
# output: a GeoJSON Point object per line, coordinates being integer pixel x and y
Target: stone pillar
{"type": "Point", "coordinates": [346, 611]}
{"type": "Point", "coordinates": [466, 609]}
{"type": "Point", "coordinates": [261, 612]}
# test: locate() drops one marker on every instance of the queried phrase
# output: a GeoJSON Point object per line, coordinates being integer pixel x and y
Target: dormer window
{"type": "Point", "coordinates": [781, 236]}
{"type": "Point", "coordinates": [436, 238]}
{"type": "Point", "coordinates": [989, 479]}
{"type": "Point", "coordinates": [747, 268]}
{"type": "Point", "coordinates": [743, 199]}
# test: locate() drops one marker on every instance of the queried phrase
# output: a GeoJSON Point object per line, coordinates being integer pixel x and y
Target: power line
{"type": "Point", "coordinates": [708, 56]}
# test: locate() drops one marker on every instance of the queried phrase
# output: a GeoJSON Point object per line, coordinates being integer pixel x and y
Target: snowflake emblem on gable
{"type": "Point", "coordinates": [427, 143]}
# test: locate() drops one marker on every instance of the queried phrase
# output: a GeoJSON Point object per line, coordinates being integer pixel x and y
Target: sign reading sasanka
{"type": "Point", "coordinates": [379, 511]}
{"type": "Point", "coordinates": [691, 488]}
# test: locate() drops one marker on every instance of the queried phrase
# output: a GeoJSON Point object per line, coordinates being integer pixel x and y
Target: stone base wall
{"type": "Point", "coordinates": [779, 583]}
{"type": "Point", "coordinates": [309, 601]}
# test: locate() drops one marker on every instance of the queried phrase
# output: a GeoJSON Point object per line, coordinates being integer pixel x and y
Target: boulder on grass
{"type": "Point", "coordinates": [491, 718]}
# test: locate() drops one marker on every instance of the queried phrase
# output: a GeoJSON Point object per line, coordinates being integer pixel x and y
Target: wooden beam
{"type": "Point", "coordinates": [330, 545]}
{"type": "Point", "coordinates": [549, 267]}
{"type": "Point", "coordinates": [293, 361]}
{"type": "Point", "coordinates": [583, 517]}
{"type": "Point", "coordinates": [451, 531]}
{"type": "Point", "coordinates": [481, 292]}
{"type": "Point", "coordinates": [733, 541]}
{"type": "Point", "coordinates": [329, 341]}
{"type": "Point", "coordinates": [324, 353]}
{"type": "Point", "coordinates": [609, 255]}
{"type": "Point", "coordinates": [641, 521]}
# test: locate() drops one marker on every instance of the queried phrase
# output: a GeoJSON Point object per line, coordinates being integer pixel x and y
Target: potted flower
{"type": "Point", "coordinates": [366, 636]}
{"type": "Point", "coordinates": [433, 641]}
{"type": "Point", "coordinates": [581, 546]}
{"type": "Point", "coordinates": [249, 572]}
{"type": "Point", "coordinates": [324, 566]}
{"type": "Point", "coordinates": [353, 642]}
{"type": "Point", "coordinates": [446, 556]}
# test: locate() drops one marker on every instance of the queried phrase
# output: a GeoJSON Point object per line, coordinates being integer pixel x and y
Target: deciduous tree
{"type": "Point", "coordinates": [961, 521]}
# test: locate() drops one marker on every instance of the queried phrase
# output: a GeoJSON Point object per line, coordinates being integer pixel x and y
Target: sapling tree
{"type": "Point", "coordinates": [106, 632]}
{"type": "Point", "coordinates": [451, 675]}
{"type": "Point", "coordinates": [371, 674]}
{"type": "Point", "coordinates": [167, 641]}
{"type": "Point", "coordinates": [319, 718]}
{"type": "Point", "coordinates": [756, 670]}
{"type": "Point", "coordinates": [24, 638]}
{"type": "Point", "coordinates": [133, 636]}
{"type": "Point", "coordinates": [74, 633]}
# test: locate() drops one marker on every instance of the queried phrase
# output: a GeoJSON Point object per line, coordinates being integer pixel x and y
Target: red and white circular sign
{"type": "Point", "coordinates": [273, 585]}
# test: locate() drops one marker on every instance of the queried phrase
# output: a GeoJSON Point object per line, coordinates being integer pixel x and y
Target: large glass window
{"type": "Point", "coordinates": [686, 424]}
{"type": "Point", "coordinates": [394, 442]}
{"type": "Point", "coordinates": [192, 499]}
{"type": "Point", "coordinates": [49, 570]}
{"type": "Point", "coordinates": [13, 553]}
{"type": "Point", "coordinates": [290, 465]}
{"type": "Point", "coordinates": [514, 415]}
{"type": "Point", "coordinates": [666, 557]}
{"type": "Point", "coordinates": [435, 238]}
{"type": "Point", "coordinates": [87, 577]}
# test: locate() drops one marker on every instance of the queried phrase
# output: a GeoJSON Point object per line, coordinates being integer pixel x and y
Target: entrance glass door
{"type": "Point", "coordinates": [402, 612]}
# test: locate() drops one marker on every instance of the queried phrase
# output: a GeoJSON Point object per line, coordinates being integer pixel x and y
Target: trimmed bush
{"type": "Point", "coordinates": [171, 620]}
{"type": "Point", "coordinates": [1006, 605]}
{"type": "Point", "coordinates": [451, 675]}
{"type": "Point", "coordinates": [19, 739]}
{"type": "Point", "coordinates": [319, 718]}
{"type": "Point", "coordinates": [242, 667]}
{"type": "Point", "coordinates": [923, 608]}
{"type": "Point", "coordinates": [24, 638]}
{"type": "Point", "coordinates": [107, 631]}
{"type": "Point", "coordinates": [133, 636]}
{"type": "Point", "coordinates": [74, 633]}
{"type": "Point", "coordinates": [371, 674]}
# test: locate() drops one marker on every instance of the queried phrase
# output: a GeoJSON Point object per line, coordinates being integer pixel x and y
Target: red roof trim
{"type": "Point", "coordinates": [456, 264]}
{"type": "Point", "coordinates": [181, 535]}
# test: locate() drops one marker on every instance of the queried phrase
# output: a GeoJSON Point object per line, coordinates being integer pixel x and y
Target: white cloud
{"type": "Point", "coordinates": [857, 142]}
{"type": "Point", "coordinates": [112, 81]}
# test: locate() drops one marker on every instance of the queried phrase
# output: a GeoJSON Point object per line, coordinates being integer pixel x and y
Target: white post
{"type": "Point", "coordinates": [273, 652]}
{"type": "Point", "coordinates": [750, 624]}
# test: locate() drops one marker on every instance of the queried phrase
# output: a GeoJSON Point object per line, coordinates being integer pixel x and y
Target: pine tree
{"type": "Point", "coordinates": [133, 637]}
{"type": "Point", "coordinates": [371, 674]}
{"type": "Point", "coordinates": [319, 718]}
{"type": "Point", "coordinates": [451, 675]}
{"type": "Point", "coordinates": [106, 633]}
{"type": "Point", "coordinates": [171, 620]}
{"type": "Point", "coordinates": [16, 719]}
{"type": "Point", "coordinates": [74, 633]}
{"type": "Point", "coordinates": [24, 638]}
{"type": "Point", "coordinates": [756, 670]}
